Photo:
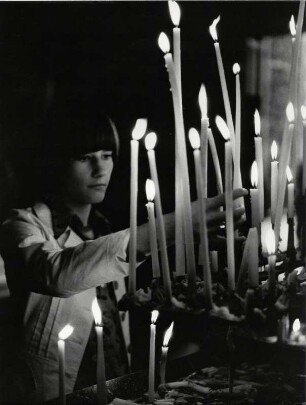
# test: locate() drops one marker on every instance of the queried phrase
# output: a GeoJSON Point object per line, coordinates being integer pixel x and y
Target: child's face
{"type": "Point", "coordinates": [86, 178]}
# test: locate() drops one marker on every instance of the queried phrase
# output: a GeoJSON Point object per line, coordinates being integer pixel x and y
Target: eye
{"type": "Point", "coordinates": [107, 155]}
{"type": "Point", "coordinates": [83, 158]}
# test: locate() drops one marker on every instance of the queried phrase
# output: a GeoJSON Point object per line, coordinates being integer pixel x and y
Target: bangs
{"type": "Point", "coordinates": [76, 129]}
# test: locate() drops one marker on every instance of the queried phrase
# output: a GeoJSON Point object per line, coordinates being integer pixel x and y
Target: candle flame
{"type": "Point", "coordinates": [236, 68]}
{"type": "Point", "coordinates": [65, 332]}
{"type": "Point", "coordinates": [203, 101]}
{"type": "Point", "coordinates": [270, 241]}
{"type": "Point", "coordinates": [213, 30]}
{"type": "Point", "coordinates": [290, 112]}
{"type": "Point", "coordinates": [175, 12]}
{"type": "Point", "coordinates": [139, 129]}
{"type": "Point", "coordinates": [254, 174]}
{"type": "Point", "coordinates": [303, 112]}
{"type": "Point", "coordinates": [194, 138]}
{"type": "Point", "coordinates": [296, 325]}
{"type": "Point", "coordinates": [292, 26]}
{"type": "Point", "coordinates": [223, 128]}
{"type": "Point", "coordinates": [154, 316]}
{"type": "Point", "coordinates": [289, 174]}
{"type": "Point", "coordinates": [257, 122]}
{"type": "Point", "coordinates": [274, 150]}
{"type": "Point", "coordinates": [150, 140]}
{"type": "Point", "coordinates": [150, 190]}
{"type": "Point", "coordinates": [163, 42]}
{"type": "Point", "coordinates": [168, 335]}
{"type": "Point", "coordinates": [97, 313]}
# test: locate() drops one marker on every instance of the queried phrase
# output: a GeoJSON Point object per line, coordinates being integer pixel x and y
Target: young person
{"type": "Point", "coordinates": [58, 251]}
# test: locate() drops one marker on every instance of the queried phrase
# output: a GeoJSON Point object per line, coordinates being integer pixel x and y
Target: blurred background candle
{"type": "Point", "coordinates": [150, 193]}
{"type": "Point", "coordinates": [194, 138]}
{"type": "Point", "coordinates": [138, 132]}
{"type": "Point", "coordinates": [270, 245]}
{"type": "Point", "coordinates": [254, 195]}
{"type": "Point", "coordinates": [214, 261]}
{"type": "Point", "coordinates": [227, 106]}
{"type": "Point", "coordinates": [303, 113]}
{"type": "Point", "coordinates": [259, 160]}
{"type": "Point", "coordinates": [252, 258]}
{"type": "Point", "coordinates": [150, 142]}
{"type": "Point", "coordinates": [204, 137]}
{"type": "Point", "coordinates": [154, 316]}
{"type": "Point", "coordinates": [290, 194]}
{"type": "Point", "coordinates": [62, 336]}
{"type": "Point", "coordinates": [164, 353]}
{"type": "Point", "coordinates": [283, 163]}
{"type": "Point", "coordinates": [101, 380]}
{"type": "Point", "coordinates": [229, 219]}
{"type": "Point", "coordinates": [274, 180]}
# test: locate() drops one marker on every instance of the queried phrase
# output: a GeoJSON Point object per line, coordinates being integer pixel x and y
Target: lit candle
{"type": "Point", "coordinates": [164, 353]}
{"type": "Point", "coordinates": [303, 113]}
{"type": "Point", "coordinates": [223, 128]}
{"type": "Point", "coordinates": [175, 14]}
{"type": "Point", "coordinates": [292, 28]}
{"type": "Point", "coordinates": [283, 163]}
{"type": "Point", "coordinates": [182, 156]}
{"type": "Point", "coordinates": [254, 195]}
{"type": "Point", "coordinates": [204, 136]}
{"type": "Point", "coordinates": [101, 380]}
{"type": "Point", "coordinates": [154, 316]}
{"type": "Point", "coordinates": [194, 138]}
{"type": "Point", "coordinates": [227, 106]}
{"type": "Point", "coordinates": [150, 142]}
{"type": "Point", "coordinates": [150, 192]}
{"type": "Point", "coordinates": [290, 194]}
{"type": "Point", "coordinates": [62, 336]}
{"type": "Point", "coordinates": [274, 180]}
{"type": "Point", "coordinates": [270, 245]}
{"type": "Point", "coordinates": [259, 160]}
{"type": "Point", "coordinates": [239, 202]}
{"type": "Point", "coordinates": [138, 132]}
{"type": "Point", "coordinates": [296, 335]}
{"type": "Point", "coordinates": [215, 159]}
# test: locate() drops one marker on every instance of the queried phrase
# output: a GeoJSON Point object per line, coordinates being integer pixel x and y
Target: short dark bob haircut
{"type": "Point", "coordinates": [70, 130]}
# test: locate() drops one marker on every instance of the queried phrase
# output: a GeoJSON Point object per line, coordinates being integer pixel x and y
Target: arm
{"type": "Point", "coordinates": [35, 262]}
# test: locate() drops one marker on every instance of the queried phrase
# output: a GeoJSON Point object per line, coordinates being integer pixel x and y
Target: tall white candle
{"type": "Point", "coordinates": [164, 354]}
{"type": "Point", "coordinates": [150, 192]}
{"type": "Point", "coordinates": [270, 245]}
{"type": "Point", "coordinates": [239, 202]}
{"type": "Point", "coordinates": [216, 161]}
{"type": "Point", "coordinates": [194, 138]}
{"type": "Point", "coordinates": [151, 390]}
{"type": "Point", "coordinates": [290, 194]}
{"type": "Point", "coordinates": [303, 113]}
{"type": "Point", "coordinates": [227, 106]}
{"type": "Point", "coordinates": [63, 335]}
{"type": "Point", "coordinates": [101, 380]}
{"type": "Point", "coordinates": [229, 219]}
{"type": "Point", "coordinates": [138, 132]}
{"type": "Point", "coordinates": [254, 196]}
{"type": "Point", "coordinates": [175, 14]}
{"type": "Point", "coordinates": [283, 163]}
{"type": "Point", "coordinates": [182, 156]}
{"type": "Point", "coordinates": [274, 180]}
{"type": "Point", "coordinates": [150, 142]}
{"type": "Point", "coordinates": [259, 160]}
{"type": "Point", "coordinates": [204, 137]}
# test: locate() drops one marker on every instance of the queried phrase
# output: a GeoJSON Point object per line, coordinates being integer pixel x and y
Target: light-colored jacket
{"type": "Point", "coordinates": [52, 283]}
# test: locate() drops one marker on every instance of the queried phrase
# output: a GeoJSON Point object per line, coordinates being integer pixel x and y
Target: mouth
{"type": "Point", "coordinates": [97, 186]}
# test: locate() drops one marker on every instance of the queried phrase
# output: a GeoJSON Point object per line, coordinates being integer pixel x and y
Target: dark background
{"type": "Point", "coordinates": [107, 51]}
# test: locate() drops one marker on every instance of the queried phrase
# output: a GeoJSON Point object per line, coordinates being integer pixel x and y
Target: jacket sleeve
{"type": "Point", "coordinates": [35, 262]}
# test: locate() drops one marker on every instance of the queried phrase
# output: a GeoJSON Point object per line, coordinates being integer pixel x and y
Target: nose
{"type": "Point", "coordinates": [98, 167]}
